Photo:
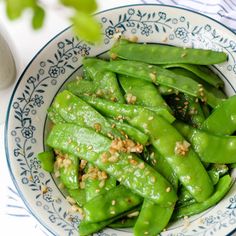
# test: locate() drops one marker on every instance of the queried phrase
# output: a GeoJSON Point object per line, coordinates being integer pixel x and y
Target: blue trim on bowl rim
{"type": "Point", "coordinates": [28, 65]}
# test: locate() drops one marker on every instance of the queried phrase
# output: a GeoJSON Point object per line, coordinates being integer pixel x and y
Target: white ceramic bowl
{"type": "Point", "coordinates": [59, 61]}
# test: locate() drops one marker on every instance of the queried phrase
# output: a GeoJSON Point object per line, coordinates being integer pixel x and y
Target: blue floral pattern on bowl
{"type": "Point", "coordinates": [60, 60]}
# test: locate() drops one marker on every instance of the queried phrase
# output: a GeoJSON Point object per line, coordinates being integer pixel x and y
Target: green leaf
{"type": "Point", "coordinates": [87, 6]}
{"type": "Point", "coordinates": [14, 8]}
{"type": "Point", "coordinates": [86, 27]}
{"type": "Point", "coordinates": [38, 17]}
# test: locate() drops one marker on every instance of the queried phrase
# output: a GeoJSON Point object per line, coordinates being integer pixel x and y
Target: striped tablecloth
{"type": "Point", "coordinates": [14, 217]}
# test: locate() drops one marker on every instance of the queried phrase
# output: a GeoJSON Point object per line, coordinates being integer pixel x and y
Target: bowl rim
{"type": "Point", "coordinates": [6, 146]}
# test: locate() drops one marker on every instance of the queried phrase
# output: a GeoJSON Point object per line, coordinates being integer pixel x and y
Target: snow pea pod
{"type": "Point", "coordinates": [46, 159]}
{"type": "Point", "coordinates": [215, 172]}
{"type": "Point", "coordinates": [116, 201]}
{"type": "Point", "coordinates": [164, 54]}
{"type": "Point", "coordinates": [54, 116]}
{"type": "Point", "coordinates": [88, 228]}
{"type": "Point", "coordinates": [222, 121]}
{"type": "Point", "coordinates": [126, 168]}
{"type": "Point", "coordinates": [78, 195]}
{"type": "Point", "coordinates": [160, 164]}
{"type": "Point", "coordinates": [69, 175]}
{"type": "Point", "coordinates": [74, 110]}
{"type": "Point", "coordinates": [222, 188]}
{"type": "Point", "coordinates": [152, 219]}
{"type": "Point", "coordinates": [136, 87]}
{"type": "Point", "coordinates": [105, 81]}
{"type": "Point", "coordinates": [187, 108]}
{"type": "Point", "coordinates": [94, 187]}
{"type": "Point", "coordinates": [124, 223]}
{"type": "Point", "coordinates": [202, 72]}
{"type": "Point", "coordinates": [124, 112]}
{"type": "Point", "coordinates": [159, 75]}
{"type": "Point", "coordinates": [166, 139]}
{"type": "Point", "coordinates": [211, 89]}
{"type": "Point", "coordinates": [210, 148]}
{"type": "Point", "coordinates": [132, 132]}
{"type": "Point", "coordinates": [81, 87]}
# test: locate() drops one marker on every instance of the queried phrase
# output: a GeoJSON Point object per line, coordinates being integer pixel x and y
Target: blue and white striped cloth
{"type": "Point", "coordinates": [16, 213]}
{"type": "Point", "coordinates": [223, 11]}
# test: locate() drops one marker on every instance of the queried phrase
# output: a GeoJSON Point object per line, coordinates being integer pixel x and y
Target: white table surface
{"type": "Point", "coordinates": [25, 43]}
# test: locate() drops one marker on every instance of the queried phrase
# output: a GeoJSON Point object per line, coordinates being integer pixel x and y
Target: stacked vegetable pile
{"type": "Point", "coordinates": [143, 139]}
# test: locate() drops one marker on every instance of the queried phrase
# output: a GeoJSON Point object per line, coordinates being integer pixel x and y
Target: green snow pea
{"type": "Point", "coordinates": [202, 72]}
{"type": "Point", "coordinates": [54, 116]}
{"type": "Point", "coordinates": [69, 176]}
{"type": "Point", "coordinates": [116, 201]}
{"type": "Point", "coordinates": [74, 110]}
{"type": "Point", "coordinates": [124, 112]}
{"type": "Point", "coordinates": [93, 187]}
{"type": "Point", "coordinates": [146, 93]}
{"type": "Point", "coordinates": [210, 148]}
{"type": "Point", "coordinates": [216, 92]}
{"type": "Point", "coordinates": [187, 108]}
{"type": "Point", "coordinates": [105, 81]}
{"type": "Point", "coordinates": [126, 168]}
{"type": "Point", "coordinates": [78, 195]}
{"type": "Point", "coordinates": [163, 54]}
{"type": "Point", "coordinates": [88, 228]}
{"type": "Point", "coordinates": [160, 164]}
{"type": "Point", "coordinates": [222, 188]}
{"type": "Point", "coordinates": [165, 90]}
{"type": "Point", "coordinates": [159, 75]}
{"type": "Point", "coordinates": [125, 222]}
{"type": "Point", "coordinates": [46, 159]}
{"type": "Point", "coordinates": [132, 132]}
{"type": "Point", "coordinates": [81, 87]}
{"type": "Point", "coordinates": [152, 219]}
{"type": "Point", "coordinates": [216, 171]}
{"type": "Point", "coordinates": [222, 121]}
{"type": "Point", "coordinates": [166, 139]}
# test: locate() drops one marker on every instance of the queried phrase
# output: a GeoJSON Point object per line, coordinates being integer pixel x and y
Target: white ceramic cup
{"type": "Point", "coordinates": [7, 63]}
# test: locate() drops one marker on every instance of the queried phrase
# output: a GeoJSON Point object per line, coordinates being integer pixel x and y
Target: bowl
{"type": "Point", "coordinates": [59, 61]}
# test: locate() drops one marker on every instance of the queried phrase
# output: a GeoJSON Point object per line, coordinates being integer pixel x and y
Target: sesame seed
{"type": "Point", "coordinates": [165, 40]}
{"type": "Point", "coordinates": [44, 189]}
{"type": "Point", "coordinates": [168, 189]}
{"type": "Point", "coordinates": [113, 126]}
{"type": "Point", "coordinates": [170, 90]}
{"type": "Point", "coordinates": [146, 233]}
{"type": "Point", "coordinates": [141, 165]}
{"type": "Point", "coordinates": [113, 56]}
{"type": "Point", "coordinates": [133, 162]}
{"type": "Point", "coordinates": [90, 147]}
{"type": "Point", "coordinates": [130, 157]}
{"type": "Point", "coordinates": [113, 212]}
{"type": "Point", "coordinates": [102, 184]}
{"type": "Point", "coordinates": [150, 118]}
{"type": "Point", "coordinates": [68, 96]}
{"type": "Point", "coordinates": [153, 179]}
{"type": "Point", "coordinates": [82, 185]}
{"type": "Point", "coordinates": [70, 200]}
{"type": "Point", "coordinates": [150, 66]}
{"type": "Point", "coordinates": [97, 127]}
{"type": "Point", "coordinates": [184, 54]}
{"type": "Point", "coordinates": [133, 214]}
{"type": "Point", "coordinates": [113, 202]}
{"type": "Point", "coordinates": [77, 149]}
{"type": "Point", "coordinates": [133, 39]}
{"type": "Point", "coordinates": [177, 98]}
{"type": "Point", "coordinates": [97, 190]}
{"type": "Point", "coordinates": [30, 178]}
{"type": "Point", "coordinates": [153, 77]}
